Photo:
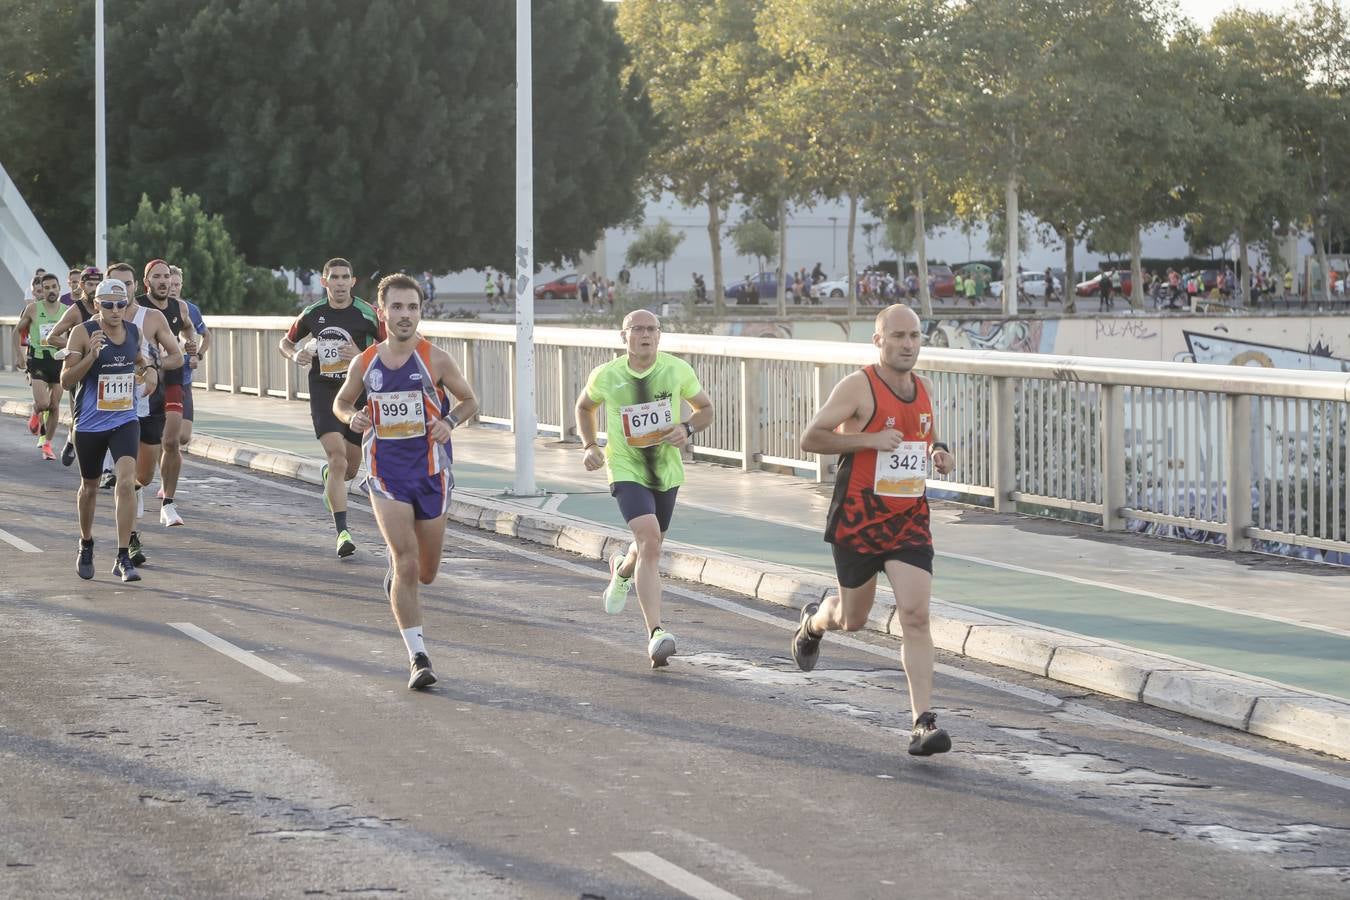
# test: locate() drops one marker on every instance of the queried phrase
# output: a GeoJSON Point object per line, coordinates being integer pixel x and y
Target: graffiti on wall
{"type": "Point", "coordinates": [1221, 349]}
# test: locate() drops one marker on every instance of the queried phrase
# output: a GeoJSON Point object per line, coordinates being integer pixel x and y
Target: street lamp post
{"type": "Point", "coordinates": [100, 147]}
{"type": "Point", "coordinates": [523, 416]}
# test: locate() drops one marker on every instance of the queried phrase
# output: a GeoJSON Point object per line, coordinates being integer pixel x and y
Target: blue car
{"type": "Point", "coordinates": [754, 288]}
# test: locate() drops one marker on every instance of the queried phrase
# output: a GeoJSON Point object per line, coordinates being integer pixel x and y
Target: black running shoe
{"type": "Point", "coordinates": [805, 645]}
{"type": "Point", "coordinates": [67, 454]}
{"type": "Point", "coordinates": [926, 738]}
{"type": "Point", "coordinates": [84, 566]}
{"type": "Point", "coordinates": [109, 480]}
{"type": "Point", "coordinates": [125, 569]}
{"type": "Point", "coordinates": [422, 676]}
{"type": "Point", "coordinates": [134, 549]}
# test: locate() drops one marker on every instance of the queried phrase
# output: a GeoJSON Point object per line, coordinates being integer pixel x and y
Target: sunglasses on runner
{"type": "Point", "coordinates": [113, 304]}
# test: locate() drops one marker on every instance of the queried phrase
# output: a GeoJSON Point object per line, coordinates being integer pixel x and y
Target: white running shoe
{"type": "Point", "coordinates": [168, 516]}
{"type": "Point", "coordinates": [616, 592]}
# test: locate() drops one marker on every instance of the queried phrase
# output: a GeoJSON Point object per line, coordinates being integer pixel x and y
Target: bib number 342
{"type": "Point", "coordinates": [902, 472]}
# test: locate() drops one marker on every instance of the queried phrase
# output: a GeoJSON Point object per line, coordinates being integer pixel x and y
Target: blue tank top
{"type": "Point", "coordinates": [403, 403]}
{"type": "Point", "coordinates": [106, 397]}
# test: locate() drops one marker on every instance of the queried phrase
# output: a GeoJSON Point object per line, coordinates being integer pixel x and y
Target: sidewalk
{"type": "Point", "coordinates": [1258, 643]}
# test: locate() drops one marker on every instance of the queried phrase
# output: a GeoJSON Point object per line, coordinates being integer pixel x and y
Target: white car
{"type": "Point", "coordinates": [1033, 285]}
{"type": "Point", "coordinates": [836, 288]}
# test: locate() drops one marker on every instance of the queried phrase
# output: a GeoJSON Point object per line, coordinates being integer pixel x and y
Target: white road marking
{"type": "Point", "coordinates": [1063, 707]}
{"type": "Point", "coordinates": [238, 654]}
{"type": "Point", "coordinates": [18, 542]}
{"type": "Point", "coordinates": [554, 501]}
{"type": "Point", "coordinates": [685, 882]}
{"type": "Point", "coordinates": [734, 864]}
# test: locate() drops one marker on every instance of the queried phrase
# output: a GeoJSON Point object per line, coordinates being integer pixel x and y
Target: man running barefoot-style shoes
{"type": "Point", "coordinates": [805, 645]}
{"type": "Point", "coordinates": [124, 568]}
{"type": "Point", "coordinates": [616, 592]}
{"type": "Point", "coordinates": [345, 545]}
{"type": "Point", "coordinates": [84, 564]}
{"type": "Point", "coordinates": [422, 677]}
{"type": "Point", "coordinates": [109, 480]}
{"type": "Point", "coordinates": [661, 647]}
{"type": "Point", "coordinates": [926, 738]}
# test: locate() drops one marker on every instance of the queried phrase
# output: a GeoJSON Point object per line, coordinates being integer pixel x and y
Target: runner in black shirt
{"type": "Point", "coordinates": [340, 327]}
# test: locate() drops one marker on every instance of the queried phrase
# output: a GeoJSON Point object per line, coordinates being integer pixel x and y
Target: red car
{"type": "Point", "coordinates": [565, 287]}
{"type": "Point", "coordinates": [1092, 287]}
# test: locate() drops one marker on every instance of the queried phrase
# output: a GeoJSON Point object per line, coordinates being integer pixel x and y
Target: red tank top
{"type": "Point", "coordinates": [859, 517]}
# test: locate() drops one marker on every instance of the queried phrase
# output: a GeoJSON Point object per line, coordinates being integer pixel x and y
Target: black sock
{"type": "Point", "coordinates": [340, 521]}
{"type": "Point", "coordinates": [122, 551]}
{"type": "Point", "coordinates": [168, 500]}
{"type": "Point", "coordinates": [86, 543]}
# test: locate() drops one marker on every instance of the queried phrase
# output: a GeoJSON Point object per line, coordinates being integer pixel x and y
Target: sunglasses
{"type": "Point", "coordinates": [113, 304]}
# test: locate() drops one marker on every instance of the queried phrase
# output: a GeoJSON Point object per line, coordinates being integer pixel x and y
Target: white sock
{"type": "Point", "coordinates": [413, 638]}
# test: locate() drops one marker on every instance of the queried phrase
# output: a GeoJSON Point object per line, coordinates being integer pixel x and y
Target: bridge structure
{"type": "Point", "coordinates": [1069, 584]}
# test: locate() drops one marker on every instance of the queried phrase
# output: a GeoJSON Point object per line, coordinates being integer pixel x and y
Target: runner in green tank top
{"type": "Point", "coordinates": [44, 369]}
{"type": "Point", "coordinates": [644, 394]}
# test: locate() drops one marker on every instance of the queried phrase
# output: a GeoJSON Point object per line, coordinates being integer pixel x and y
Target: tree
{"type": "Point", "coordinates": [46, 103]}
{"type": "Point", "coordinates": [214, 272]}
{"type": "Point", "coordinates": [654, 246]}
{"type": "Point", "coordinates": [755, 239]}
{"type": "Point", "coordinates": [374, 129]}
{"type": "Point", "coordinates": [698, 61]}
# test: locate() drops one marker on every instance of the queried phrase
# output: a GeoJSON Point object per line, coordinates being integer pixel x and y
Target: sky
{"type": "Point", "coordinates": [1204, 11]}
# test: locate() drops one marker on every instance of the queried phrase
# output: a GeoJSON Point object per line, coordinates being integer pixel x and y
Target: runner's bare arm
{"type": "Point", "coordinates": [158, 331]}
{"type": "Point", "coordinates": [287, 346]}
{"type": "Point", "coordinates": [80, 359]}
{"type": "Point", "coordinates": [845, 403]}
{"type": "Point", "coordinates": [585, 415]}
{"type": "Point", "coordinates": [943, 460]}
{"type": "Point", "coordinates": [452, 379]}
{"type": "Point", "coordinates": [344, 405]}
{"type": "Point", "coordinates": [25, 321]}
{"type": "Point", "coordinates": [69, 319]}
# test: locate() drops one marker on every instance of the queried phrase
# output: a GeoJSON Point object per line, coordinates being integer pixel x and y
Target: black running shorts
{"type": "Point", "coordinates": [92, 446]}
{"type": "Point", "coordinates": [321, 397]}
{"type": "Point", "coordinates": [856, 569]}
{"type": "Point", "coordinates": [44, 369]}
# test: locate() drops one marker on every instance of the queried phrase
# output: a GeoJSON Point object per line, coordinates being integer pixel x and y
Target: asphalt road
{"type": "Point", "coordinates": [550, 761]}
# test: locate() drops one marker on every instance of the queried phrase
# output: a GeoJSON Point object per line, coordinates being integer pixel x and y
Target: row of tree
{"type": "Point", "coordinates": [1095, 118]}
{"type": "Point", "coordinates": [380, 130]}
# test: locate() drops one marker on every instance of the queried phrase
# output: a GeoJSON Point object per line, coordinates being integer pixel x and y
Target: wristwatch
{"type": "Point", "coordinates": [688, 429]}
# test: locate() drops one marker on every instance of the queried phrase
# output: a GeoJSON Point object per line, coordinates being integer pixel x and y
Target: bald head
{"type": "Point", "coordinates": [895, 317]}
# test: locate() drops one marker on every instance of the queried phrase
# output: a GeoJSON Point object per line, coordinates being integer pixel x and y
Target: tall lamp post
{"type": "Point", "coordinates": [523, 416]}
{"type": "Point", "coordinates": [100, 147]}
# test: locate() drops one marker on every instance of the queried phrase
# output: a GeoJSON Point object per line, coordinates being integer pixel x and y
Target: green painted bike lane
{"type": "Point", "coordinates": [1302, 657]}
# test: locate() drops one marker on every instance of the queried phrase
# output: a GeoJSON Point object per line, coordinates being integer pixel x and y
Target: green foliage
{"type": "Point", "coordinates": [382, 130]}
{"type": "Point", "coordinates": [215, 275]}
{"type": "Point", "coordinates": [654, 246]}
{"type": "Point", "coordinates": [755, 239]}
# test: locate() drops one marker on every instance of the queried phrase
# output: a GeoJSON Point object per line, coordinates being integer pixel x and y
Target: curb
{"type": "Point", "coordinates": [1282, 713]}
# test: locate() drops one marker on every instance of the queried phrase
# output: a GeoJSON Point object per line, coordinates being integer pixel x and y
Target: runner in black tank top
{"type": "Point", "coordinates": [881, 422]}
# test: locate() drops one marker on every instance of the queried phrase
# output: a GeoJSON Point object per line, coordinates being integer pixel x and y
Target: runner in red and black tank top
{"type": "Point", "coordinates": [861, 519]}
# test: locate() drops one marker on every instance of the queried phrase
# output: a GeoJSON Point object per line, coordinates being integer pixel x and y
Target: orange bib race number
{"type": "Point", "coordinates": [397, 415]}
{"type": "Point", "coordinates": [116, 392]}
{"type": "Point", "coordinates": [902, 472]}
{"type": "Point", "coordinates": [644, 424]}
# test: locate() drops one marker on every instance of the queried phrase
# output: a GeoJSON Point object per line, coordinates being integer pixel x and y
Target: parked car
{"type": "Point", "coordinates": [838, 287]}
{"type": "Point", "coordinates": [765, 288]}
{"type": "Point", "coordinates": [944, 281]}
{"type": "Point", "coordinates": [1091, 287]}
{"type": "Point", "coordinates": [565, 287]}
{"type": "Point", "coordinates": [1033, 285]}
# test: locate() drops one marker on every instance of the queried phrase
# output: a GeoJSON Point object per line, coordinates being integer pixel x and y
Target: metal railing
{"type": "Point", "coordinates": [1129, 444]}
